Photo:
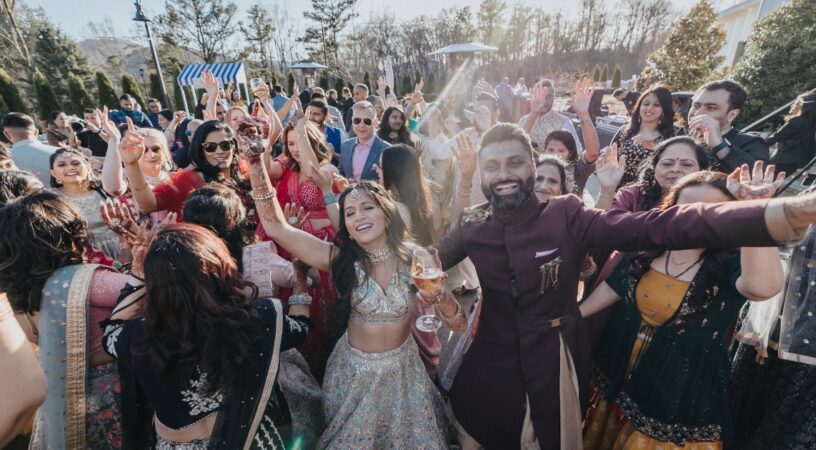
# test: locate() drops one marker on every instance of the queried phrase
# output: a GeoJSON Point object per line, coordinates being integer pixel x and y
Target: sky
{"type": "Point", "coordinates": [73, 16]}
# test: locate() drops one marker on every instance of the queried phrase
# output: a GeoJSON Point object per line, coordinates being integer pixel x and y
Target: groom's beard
{"type": "Point", "coordinates": [509, 202]}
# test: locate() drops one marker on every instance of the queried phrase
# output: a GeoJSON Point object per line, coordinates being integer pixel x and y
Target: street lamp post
{"type": "Point", "coordinates": [140, 17]}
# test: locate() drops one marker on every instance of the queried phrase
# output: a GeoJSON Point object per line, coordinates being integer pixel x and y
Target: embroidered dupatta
{"type": "Point", "coordinates": [64, 358]}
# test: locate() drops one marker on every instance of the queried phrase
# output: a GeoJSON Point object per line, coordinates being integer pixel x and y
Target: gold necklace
{"type": "Point", "coordinates": [681, 263]}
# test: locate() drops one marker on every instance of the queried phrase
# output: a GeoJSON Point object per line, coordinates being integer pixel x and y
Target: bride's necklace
{"type": "Point", "coordinates": [380, 255]}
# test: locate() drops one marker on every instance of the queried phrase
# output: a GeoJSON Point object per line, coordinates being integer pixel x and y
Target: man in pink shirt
{"type": "Point", "coordinates": [358, 155]}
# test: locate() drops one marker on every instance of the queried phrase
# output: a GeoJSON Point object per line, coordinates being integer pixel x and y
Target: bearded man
{"type": "Point", "coordinates": [524, 379]}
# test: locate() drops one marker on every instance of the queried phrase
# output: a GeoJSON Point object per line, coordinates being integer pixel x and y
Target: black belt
{"type": "Point", "coordinates": [555, 323]}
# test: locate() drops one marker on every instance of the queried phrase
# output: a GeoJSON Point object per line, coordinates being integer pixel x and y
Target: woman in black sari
{"type": "Point", "coordinates": [198, 353]}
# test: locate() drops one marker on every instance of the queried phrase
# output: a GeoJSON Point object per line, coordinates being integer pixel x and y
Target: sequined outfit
{"type": "Point", "coordinates": [381, 400]}
{"type": "Point", "coordinates": [101, 237]}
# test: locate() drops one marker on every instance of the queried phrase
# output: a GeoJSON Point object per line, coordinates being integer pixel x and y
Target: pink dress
{"type": "Point", "coordinates": [307, 195]}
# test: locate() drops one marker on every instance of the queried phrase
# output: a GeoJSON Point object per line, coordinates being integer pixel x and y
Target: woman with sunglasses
{"type": "Point", "coordinates": [212, 158]}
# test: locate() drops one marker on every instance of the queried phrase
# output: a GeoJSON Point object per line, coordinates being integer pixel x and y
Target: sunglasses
{"type": "Point", "coordinates": [211, 147]}
{"type": "Point", "coordinates": [155, 149]}
{"type": "Point", "coordinates": [357, 121]}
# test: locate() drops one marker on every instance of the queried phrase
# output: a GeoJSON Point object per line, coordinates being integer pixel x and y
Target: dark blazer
{"type": "Point", "coordinates": [745, 149]}
{"type": "Point", "coordinates": [347, 153]}
{"type": "Point", "coordinates": [523, 321]}
{"type": "Point", "coordinates": [796, 144]}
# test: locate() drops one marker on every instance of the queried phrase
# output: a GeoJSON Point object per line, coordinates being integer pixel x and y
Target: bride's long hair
{"type": "Point", "coordinates": [350, 252]}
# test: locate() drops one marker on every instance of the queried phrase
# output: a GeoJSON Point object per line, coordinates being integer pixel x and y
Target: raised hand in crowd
{"type": "Point", "coordinates": [131, 147]}
{"type": "Point", "coordinates": [538, 98]}
{"type": "Point", "coordinates": [466, 155]}
{"type": "Point", "coordinates": [609, 170]}
{"type": "Point", "coordinates": [583, 95]}
{"type": "Point", "coordinates": [211, 86]}
{"type": "Point", "coordinates": [248, 135]}
{"type": "Point", "coordinates": [761, 185]}
{"type": "Point", "coordinates": [120, 218]}
{"type": "Point", "coordinates": [144, 237]}
{"type": "Point", "coordinates": [108, 127]}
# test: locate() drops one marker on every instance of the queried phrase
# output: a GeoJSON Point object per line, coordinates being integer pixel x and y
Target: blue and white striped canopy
{"type": "Point", "coordinates": [224, 72]}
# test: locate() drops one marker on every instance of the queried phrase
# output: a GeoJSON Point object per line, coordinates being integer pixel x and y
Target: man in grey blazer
{"type": "Point", "coordinates": [358, 155]}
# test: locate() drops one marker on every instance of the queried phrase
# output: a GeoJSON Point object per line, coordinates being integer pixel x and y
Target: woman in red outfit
{"type": "Point", "coordinates": [306, 156]}
{"type": "Point", "coordinates": [212, 159]}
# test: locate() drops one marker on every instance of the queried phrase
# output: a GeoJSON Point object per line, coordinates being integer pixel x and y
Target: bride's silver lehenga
{"type": "Point", "coordinates": [381, 400]}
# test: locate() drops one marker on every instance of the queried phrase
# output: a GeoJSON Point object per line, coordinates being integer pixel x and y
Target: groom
{"type": "Point", "coordinates": [524, 378]}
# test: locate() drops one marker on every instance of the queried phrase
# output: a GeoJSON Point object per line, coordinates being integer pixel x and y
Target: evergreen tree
{"type": "Point", "coordinates": [778, 63]}
{"type": "Point", "coordinates": [596, 73]}
{"type": "Point", "coordinates": [4, 110]}
{"type": "Point", "coordinates": [616, 77]}
{"type": "Point", "coordinates": [57, 55]}
{"type": "Point", "coordinates": [406, 87]}
{"type": "Point", "coordinates": [417, 77]}
{"type": "Point", "coordinates": [585, 72]}
{"type": "Point", "coordinates": [430, 84]}
{"type": "Point", "coordinates": [338, 86]}
{"type": "Point", "coordinates": [367, 81]}
{"type": "Point", "coordinates": [324, 82]}
{"type": "Point", "coordinates": [689, 56]}
{"type": "Point", "coordinates": [78, 96]}
{"type": "Point", "coordinates": [328, 19]}
{"type": "Point", "coordinates": [179, 92]}
{"type": "Point", "coordinates": [605, 73]}
{"type": "Point", "coordinates": [10, 95]}
{"type": "Point", "coordinates": [106, 94]}
{"type": "Point", "coordinates": [290, 83]}
{"type": "Point", "coordinates": [156, 88]}
{"type": "Point", "coordinates": [47, 101]}
{"type": "Point", "coordinates": [274, 78]}
{"type": "Point", "coordinates": [130, 86]}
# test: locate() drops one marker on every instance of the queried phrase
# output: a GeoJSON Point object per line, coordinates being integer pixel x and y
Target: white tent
{"type": "Point", "coordinates": [224, 72]}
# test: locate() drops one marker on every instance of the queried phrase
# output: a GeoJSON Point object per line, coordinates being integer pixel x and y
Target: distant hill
{"type": "Point", "coordinates": [132, 55]}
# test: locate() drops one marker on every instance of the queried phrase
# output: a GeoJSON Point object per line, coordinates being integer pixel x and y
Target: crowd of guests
{"type": "Point", "coordinates": [252, 276]}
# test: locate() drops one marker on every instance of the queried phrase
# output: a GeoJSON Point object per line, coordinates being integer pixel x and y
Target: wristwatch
{"type": "Point", "coordinates": [721, 145]}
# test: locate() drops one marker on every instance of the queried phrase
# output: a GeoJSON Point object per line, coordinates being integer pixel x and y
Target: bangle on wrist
{"type": "Point", "coordinates": [300, 299]}
{"type": "Point", "coordinates": [456, 313]}
{"type": "Point", "coordinates": [329, 198]}
{"type": "Point", "coordinates": [262, 197]}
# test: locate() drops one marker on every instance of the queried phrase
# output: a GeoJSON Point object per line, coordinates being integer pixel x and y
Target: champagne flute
{"type": "Point", "coordinates": [429, 278]}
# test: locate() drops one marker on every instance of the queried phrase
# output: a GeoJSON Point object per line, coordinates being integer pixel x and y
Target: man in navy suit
{"type": "Point", "coordinates": [359, 155]}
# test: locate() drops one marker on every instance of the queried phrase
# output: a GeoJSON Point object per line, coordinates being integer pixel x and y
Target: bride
{"type": "Point", "coordinates": [377, 393]}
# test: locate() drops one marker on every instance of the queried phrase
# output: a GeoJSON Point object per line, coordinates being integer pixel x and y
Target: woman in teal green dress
{"type": "Point", "coordinates": [661, 375]}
